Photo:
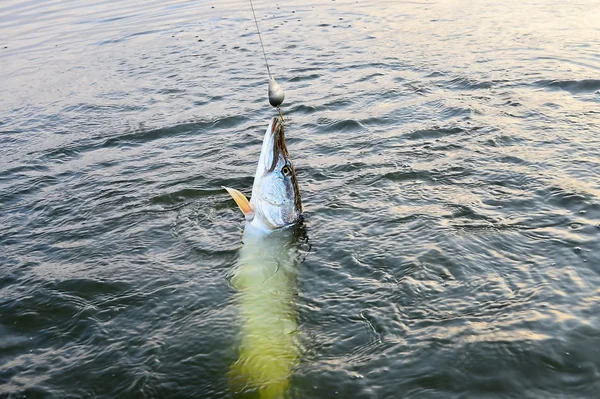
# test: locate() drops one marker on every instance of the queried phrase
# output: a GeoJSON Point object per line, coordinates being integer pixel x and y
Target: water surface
{"type": "Point", "coordinates": [448, 155]}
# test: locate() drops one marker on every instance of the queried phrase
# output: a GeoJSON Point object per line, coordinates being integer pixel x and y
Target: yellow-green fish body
{"type": "Point", "coordinates": [265, 275]}
{"type": "Point", "coordinates": [265, 279]}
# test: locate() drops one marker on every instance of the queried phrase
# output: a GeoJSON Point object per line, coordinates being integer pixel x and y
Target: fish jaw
{"type": "Point", "coordinates": [275, 193]}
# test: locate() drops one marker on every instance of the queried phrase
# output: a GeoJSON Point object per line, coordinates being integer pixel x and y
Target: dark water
{"type": "Point", "coordinates": [449, 158]}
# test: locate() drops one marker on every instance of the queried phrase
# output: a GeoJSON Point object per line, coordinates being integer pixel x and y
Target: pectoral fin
{"type": "Point", "coordinates": [242, 202]}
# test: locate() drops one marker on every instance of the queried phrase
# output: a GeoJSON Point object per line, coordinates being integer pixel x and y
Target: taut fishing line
{"type": "Point", "coordinates": [276, 94]}
{"type": "Point", "coordinates": [260, 38]}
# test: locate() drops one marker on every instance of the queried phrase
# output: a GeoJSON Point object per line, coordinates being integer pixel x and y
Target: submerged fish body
{"type": "Point", "coordinates": [265, 278]}
{"type": "Point", "coordinates": [265, 274]}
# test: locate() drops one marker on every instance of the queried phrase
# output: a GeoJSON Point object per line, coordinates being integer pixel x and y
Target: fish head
{"type": "Point", "coordinates": [275, 201]}
{"type": "Point", "coordinates": [275, 194]}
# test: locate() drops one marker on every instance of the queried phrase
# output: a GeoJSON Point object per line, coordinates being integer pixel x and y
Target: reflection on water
{"type": "Point", "coordinates": [448, 154]}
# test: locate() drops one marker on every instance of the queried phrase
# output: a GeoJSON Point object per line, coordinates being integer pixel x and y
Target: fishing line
{"type": "Point", "coordinates": [276, 94]}
{"type": "Point", "coordinates": [260, 38]}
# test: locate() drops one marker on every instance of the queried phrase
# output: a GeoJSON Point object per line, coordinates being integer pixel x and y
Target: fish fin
{"type": "Point", "coordinates": [242, 202]}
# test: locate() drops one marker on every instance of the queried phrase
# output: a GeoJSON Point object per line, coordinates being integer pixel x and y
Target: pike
{"type": "Point", "coordinates": [265, 273]}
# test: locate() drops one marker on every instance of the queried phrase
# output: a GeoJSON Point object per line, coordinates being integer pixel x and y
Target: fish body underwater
{"type": "Point", "coordinates": [265, 274]}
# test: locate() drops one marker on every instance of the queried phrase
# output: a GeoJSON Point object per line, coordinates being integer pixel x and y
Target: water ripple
{"type": "Point", "coordinates": [448, 168]}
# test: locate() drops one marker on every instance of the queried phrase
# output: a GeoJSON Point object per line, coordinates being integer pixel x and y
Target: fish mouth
{"type": "Point", "coordinates": [280, 149]}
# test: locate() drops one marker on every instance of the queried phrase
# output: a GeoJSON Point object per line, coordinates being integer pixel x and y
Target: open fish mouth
{"type": "Point", "coordinates": [280, 150]}
{"type": "Point", "coordinates": [276, 201]}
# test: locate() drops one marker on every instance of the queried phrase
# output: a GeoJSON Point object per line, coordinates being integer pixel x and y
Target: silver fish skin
{"type": "Point", "coordinates": [276, 202]}
{"type": "Point", "coordinates": [265, 273]}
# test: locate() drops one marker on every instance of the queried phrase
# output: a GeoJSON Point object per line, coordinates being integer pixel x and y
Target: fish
{"type": "Point", "coordinates": [266, 272]}
{"type": "Point", "coordinates": [276, 202]}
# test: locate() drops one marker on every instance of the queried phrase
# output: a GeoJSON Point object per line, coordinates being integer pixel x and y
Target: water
{"type": "Point", "coordinates": [448, 157]}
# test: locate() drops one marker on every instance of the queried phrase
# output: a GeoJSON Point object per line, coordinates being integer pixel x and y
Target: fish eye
{"type": "Point", "coordinates": [286, 171]}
